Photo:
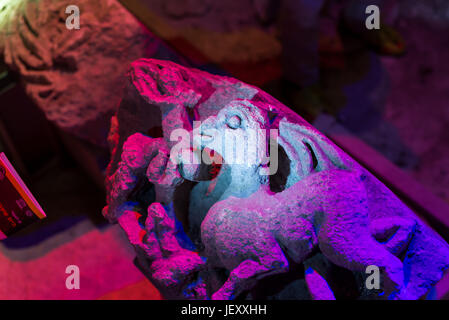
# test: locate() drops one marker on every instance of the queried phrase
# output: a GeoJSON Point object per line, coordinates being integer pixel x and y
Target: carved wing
{"type": "Point", "coordinates": [309, 151]}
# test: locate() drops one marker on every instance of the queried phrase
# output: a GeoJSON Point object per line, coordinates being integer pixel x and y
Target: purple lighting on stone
{"type": "Point", "coordinates": [320, 214]}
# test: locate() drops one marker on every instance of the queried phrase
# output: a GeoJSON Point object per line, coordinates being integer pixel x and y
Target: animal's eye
{"type": "Point", "coordinates": [234, 122]}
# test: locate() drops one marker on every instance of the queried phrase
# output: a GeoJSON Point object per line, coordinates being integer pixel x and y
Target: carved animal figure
{"type": "Point", "coordinates": [319, 172]}
{"type": "Point", "coordinates": [329, 203]}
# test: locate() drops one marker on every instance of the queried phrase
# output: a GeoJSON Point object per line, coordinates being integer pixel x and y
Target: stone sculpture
{"type": "Point", "coordinates": [60, 66]}
{"type": "Point", "coordinates": [319, 212]}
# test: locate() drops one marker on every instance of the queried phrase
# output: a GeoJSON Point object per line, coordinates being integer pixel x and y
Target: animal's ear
{"type": "Point", "coordinates": [308, 151]}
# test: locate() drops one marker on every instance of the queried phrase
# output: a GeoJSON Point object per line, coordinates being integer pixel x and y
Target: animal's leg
{"type": "Point", "coordinates": [297, 237]}
{"type": "Point", "coordinates": [245, 276]}
{"type": "Point", "coordinates": [354, 248]}
{"type": "Point", "coordinates": [394, 233]}
{"type": "Point", "coordinates": [344, 234]}
{"type": "Point", "coordinates": [141, 156]}
{"type": "Point", "coordinates": [172, 267]}
{"type": "Point", "coordinates": [318, 287]}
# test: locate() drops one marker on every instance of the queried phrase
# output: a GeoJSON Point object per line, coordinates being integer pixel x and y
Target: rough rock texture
{"type": "Point", "coordinates": [224, 31]}
{"type": "Point", "coordinates": [434, 12]}
{"type": "Point", "coordinates": [74, 76]}
{"type": "Point", "coordinates": [318, 214]}
{"type": "Point", "coordinates": [419, 93]}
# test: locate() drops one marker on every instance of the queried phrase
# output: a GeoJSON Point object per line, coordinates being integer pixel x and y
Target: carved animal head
{"type": "Point", "coordinates": [238, 133]}
{"type": "Point", "coordinates": [242, 132]}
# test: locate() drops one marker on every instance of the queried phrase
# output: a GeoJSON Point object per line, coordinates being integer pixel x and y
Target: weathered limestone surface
{"type": "Point", "coordinates": [319, 219]}
{"type": "Point", "coordinates": [74, 76]}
